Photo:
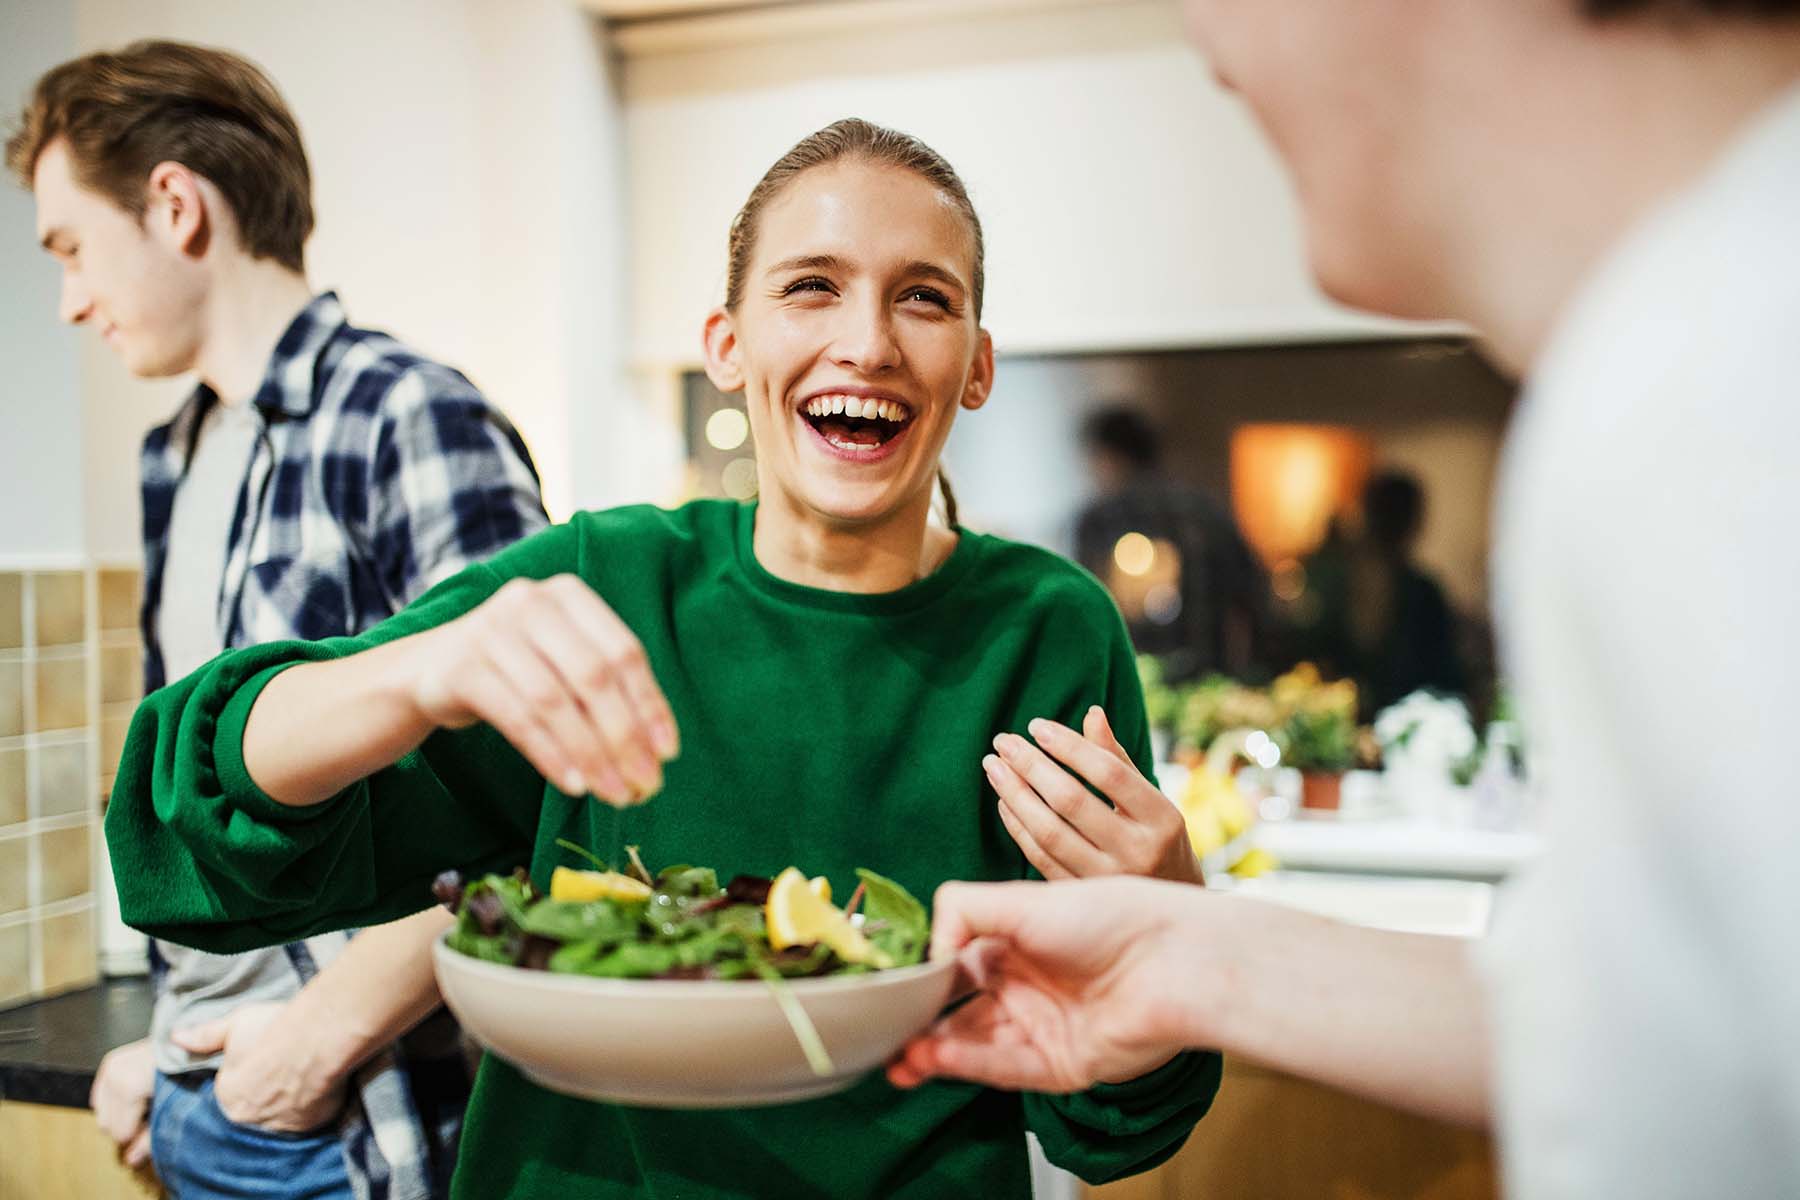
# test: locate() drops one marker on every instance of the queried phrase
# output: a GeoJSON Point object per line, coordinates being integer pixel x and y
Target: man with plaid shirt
{"type": "Point", "coordinates": [318, 479]}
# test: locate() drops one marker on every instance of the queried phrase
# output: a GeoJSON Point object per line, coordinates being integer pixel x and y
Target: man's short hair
{"type": "Point", "coordinates": [1393, 507]}
{"type": "Point", "coordinates": [1122, 431]}
{"type": "Point", "coordinates": [1690, 9]}
{"type": "Point", "coordinates": [217, 114]}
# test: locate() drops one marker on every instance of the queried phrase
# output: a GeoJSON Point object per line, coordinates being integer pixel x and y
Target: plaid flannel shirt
{"type": "Point", "coordinates": [376, 474]}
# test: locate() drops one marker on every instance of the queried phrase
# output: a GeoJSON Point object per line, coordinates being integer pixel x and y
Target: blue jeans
{"type": "Point", "coordinates": [200, 1154]}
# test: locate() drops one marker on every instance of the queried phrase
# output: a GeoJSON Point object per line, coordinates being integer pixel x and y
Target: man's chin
{"type": "Point", "coordinates": [153, 367]}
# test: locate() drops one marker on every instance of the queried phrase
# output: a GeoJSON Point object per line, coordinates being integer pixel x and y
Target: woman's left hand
{"type": "Point", "coordinates": [1064, 830]}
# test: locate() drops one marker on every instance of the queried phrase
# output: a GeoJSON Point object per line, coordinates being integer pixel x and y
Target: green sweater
{"type": "Point", "coordinates": [818, 729]}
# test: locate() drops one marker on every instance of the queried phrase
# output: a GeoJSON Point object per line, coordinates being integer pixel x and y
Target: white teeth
{"type": "Point", "coordinates": [856, 406]}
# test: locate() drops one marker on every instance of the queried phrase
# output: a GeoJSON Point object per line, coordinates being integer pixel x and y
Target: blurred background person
{"type": "Point", "coordinates": [1191, 591]}
{"type": "Point", "coordinates": [1371, 613]}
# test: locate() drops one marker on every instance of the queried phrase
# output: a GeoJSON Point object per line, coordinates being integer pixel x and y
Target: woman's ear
{"type": "Point", "coordinates": [720, 341]}
{"type": "Point", "coordinates": [981, 378]}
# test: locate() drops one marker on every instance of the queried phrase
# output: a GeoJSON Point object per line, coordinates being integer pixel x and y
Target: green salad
{"type": "Point", "coordinates": [679, 923]}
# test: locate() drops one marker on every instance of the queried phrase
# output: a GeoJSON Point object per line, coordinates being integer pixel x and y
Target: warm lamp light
{"type": "Point", "coordinates": [1288, 480]}
{"type": "Point", "coordinates": [1135, 554]}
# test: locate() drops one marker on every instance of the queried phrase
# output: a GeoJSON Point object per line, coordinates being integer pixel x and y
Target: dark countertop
{"type": "Point", "coordinates": [50, 1049]}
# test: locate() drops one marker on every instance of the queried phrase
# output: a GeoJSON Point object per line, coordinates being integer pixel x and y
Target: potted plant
{"type": "Point", "coordinates": [1215, 705]}
{"type": "Point", "coordinates": [1430, 753]}
{"type": "Point", "coordinates": [1317, 732]}
{"type": "Point", "coordinates": [1162, 705]}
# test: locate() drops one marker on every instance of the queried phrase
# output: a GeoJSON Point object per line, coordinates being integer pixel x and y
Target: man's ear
{"type": "Point", "coordinates": [177, 211]}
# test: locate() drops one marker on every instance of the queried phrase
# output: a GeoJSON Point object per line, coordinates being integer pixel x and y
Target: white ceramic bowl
{"type": "Point", "coordinates": [686, 1043]}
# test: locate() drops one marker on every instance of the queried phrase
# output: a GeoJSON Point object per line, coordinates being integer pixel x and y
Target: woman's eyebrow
{"type": "Point", "coordinates": [918, 268]}
{"type": "Point", "coordinates": [808, 262]}
{"type": "Point", "coordinates": [930, 270]}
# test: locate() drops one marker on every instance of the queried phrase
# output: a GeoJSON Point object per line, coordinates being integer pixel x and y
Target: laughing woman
{"type": "Point", "coordinates": [823, 679]}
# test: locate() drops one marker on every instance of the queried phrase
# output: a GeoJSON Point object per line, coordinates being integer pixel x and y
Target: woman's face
{"type": "Point", "coordinates": [854, 341]}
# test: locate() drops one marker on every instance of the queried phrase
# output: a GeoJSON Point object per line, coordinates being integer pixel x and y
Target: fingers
{"type": "Point", "coordinates": [1105, 765]}
{"type": "Point", "coordinates": [206, 1038]}
{"type": "Point", "coordinates": [963, 912]}
{"type": "Point", "coordinates": [522, 698]}
{"type": "Point", "coordinates": [1098, 730]}
{"type": "Point", "coordinates": [119, 1122]}
{"type": "Point", "coordinates": [1035, 854]}
{"type": "Point", "coordinates": [137, 1154]}
{"type": "Point", "coordinates": [626, 655]}
{"type": "Point", "coordinates": [1061, 791]}
{"type": "Point", "coordinates": [977, 1042]}
{"type": "Point", "coordinates": [612, 747]}
{"type": "Point", "coordinates": [564, 680]}
{"type": "Point", "coordinates": [1049, 842]}
{"type": "Point", "coordinates": [120, 1096]}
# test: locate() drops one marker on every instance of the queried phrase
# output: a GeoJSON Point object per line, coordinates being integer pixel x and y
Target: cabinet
{"type": "Point", "coordinates": [51, 1153]}
{"type": "Point", "coordinates": [1271, 1136]}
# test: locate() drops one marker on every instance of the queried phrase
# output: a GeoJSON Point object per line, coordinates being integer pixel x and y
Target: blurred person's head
{"type": "Point", "coordinates": [1120, 444]}
{"type": "Point", "coordinates": [1393, 509]}
{"type": "Point", "coordinates": [1474, 158]}
{"type": "Point", "coordinates": [160, 171]}
{"type": "Point", "coordinates": [852, 324]}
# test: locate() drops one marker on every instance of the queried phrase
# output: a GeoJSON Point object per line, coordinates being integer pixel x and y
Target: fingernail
{"type": "Point", "coordinates": [575, 785]}
{"type": "Point", "coordinates": [666, 744]}
{"type": "Point", "coordinates": [608, 785]}
{"type": "Point", "coordinates": [1041, 729]}
{"type": "Point", "coordinates": [1006, 743]}
{"type": "Point", "coordinates": [990, 764]}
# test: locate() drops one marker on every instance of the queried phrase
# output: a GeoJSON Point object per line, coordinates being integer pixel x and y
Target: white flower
{"type": "Point", "coordinates": [1426, 732]}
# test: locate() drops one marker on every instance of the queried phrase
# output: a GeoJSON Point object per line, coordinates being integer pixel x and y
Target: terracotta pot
{"type": "Point", "coordinates": [1321, 790]}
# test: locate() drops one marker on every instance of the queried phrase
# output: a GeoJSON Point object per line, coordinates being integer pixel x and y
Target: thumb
{"type": "Point", "coordinates": [965, 912]}
{"type": "Point", "coordinates": [1098, 730]}
{"type": "Point", "coordinates": [208, 1037]}
{"type": "Point", "coordinates": [137, 1155]}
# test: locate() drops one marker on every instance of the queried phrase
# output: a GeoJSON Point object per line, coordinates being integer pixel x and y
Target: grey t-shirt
{"type": "Point", "coordinates": [199, 986]}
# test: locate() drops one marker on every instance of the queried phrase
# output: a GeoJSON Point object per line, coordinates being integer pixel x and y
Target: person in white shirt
{"type": "Point", "coordinates": [1610, 191]}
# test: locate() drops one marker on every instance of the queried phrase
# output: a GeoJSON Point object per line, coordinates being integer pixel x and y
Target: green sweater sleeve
{"type": "Point", "coordinates": [205, 858]}
{"type": "Point", "coordinates": [1116, 1130]}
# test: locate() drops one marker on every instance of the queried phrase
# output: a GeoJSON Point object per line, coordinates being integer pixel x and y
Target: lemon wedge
{"type": "Point", "coordinates": [798, 915]}
{"type": "Point", "coordinates": [582, 886]}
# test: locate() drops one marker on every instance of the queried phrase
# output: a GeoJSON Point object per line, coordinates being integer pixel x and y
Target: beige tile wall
{"type": "Point", "coordinates": [69, 677]}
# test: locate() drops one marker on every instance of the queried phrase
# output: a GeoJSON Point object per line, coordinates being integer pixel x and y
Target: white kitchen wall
{"type": "Point", "coordinates": [1128, 201]}
{"type": "Point", "coordinates": [40, 402]}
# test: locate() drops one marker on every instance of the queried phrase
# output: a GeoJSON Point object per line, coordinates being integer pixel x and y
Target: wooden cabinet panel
{"type": "Point", "coordinates": [51, 1153]}
{"type": "Point", "coordinates": [1270, 1136]}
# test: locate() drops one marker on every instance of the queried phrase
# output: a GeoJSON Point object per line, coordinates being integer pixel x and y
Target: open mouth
{"type": "Point", "coordinates": [856, 426]}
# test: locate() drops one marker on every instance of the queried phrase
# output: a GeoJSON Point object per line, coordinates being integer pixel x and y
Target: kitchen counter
{"type": "Point", "coordinates": [1395, 848]}
{"type": "Point", "coordinates": [50, 1049]}
{"type": "Point", "coordinates": [1447, 907]}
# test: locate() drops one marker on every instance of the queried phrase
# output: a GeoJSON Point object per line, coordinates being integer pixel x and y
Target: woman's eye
{"type": "Point", "coordinates": [928, 295]}
{"type": "Point", "coordinates": [811, 284]}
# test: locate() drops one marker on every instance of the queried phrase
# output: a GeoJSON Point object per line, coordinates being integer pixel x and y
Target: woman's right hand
{"type": "Point", "coordinates": [551, 667]}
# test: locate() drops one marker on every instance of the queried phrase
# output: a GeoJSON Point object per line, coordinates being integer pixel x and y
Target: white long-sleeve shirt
{"type": "Point", "coordinates": [1646, 974]}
